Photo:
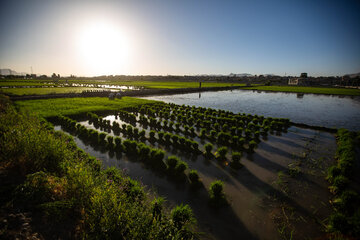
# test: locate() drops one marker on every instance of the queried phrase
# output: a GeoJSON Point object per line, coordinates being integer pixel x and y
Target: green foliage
{"type": "Point", "coordinates": [193, 176]}
{"type": "Point", "coordinates": [216, 193]}
{"type": "Point", "coordinates": [208, 148]}
{"type": "Point", "coordinates": [63, 184]}
{"type": "Point", "coordinates": [172, 161]}
{"type": "Point", "coordinates": [75, 106]}
{"type": "Point", "coordinates": [236, 156]}
{"type": "Point", "coordinates": [252, 145]}
{"type": "Point", "coordinates": [182, 215]}
{"type": "Point", "coordinates": [181, 167]}
{"type": "Point", "coordinates": [222, 151]}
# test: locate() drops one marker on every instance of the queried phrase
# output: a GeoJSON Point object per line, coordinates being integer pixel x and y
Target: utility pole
{"type": "Point", "coordinates": [31, 70]}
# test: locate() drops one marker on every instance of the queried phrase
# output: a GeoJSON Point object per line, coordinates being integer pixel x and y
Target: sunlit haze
{"type": "Point", "coordinates": [87, 38]}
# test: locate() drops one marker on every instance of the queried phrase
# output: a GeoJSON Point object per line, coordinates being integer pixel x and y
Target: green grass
{"type": "Point", "coordinates": [46, 90]}
{"type": "Point", "coordinates": [73, 106]}
{"type": "Point", "coordinates": [48, 175]}
{"type": "Point", "coordinates": [316, 90]}
{"type": "Point", "coordinates": [136, 83]}
{"type": "Point", "coordinates": [25, 83]}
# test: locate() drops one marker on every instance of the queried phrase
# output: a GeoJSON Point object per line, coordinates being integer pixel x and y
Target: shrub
{"type": "Point", "coordinates": [157, 206]}
{"type": "Point", "coordinates": [182, 215]}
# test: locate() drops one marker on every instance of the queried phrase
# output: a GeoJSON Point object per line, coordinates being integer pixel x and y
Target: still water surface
{"type": "Point", "coordinates": [317, 110]}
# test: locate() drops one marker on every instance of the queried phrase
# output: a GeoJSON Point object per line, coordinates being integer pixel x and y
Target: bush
{"type": "Point", "coordinates": [182, 215]}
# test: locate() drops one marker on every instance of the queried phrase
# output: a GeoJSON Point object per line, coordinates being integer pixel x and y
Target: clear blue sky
{"type": "Point", "coordinates": [180, 37]}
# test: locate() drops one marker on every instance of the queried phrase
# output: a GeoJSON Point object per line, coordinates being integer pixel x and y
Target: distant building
{"type": "Point", "coordinates": [303, 75]}
{"type": "Point", "coordinates": [303, 80]}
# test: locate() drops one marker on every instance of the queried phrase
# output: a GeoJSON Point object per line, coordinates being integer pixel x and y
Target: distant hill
{"type": "Point", "coordinates": [8, 71]}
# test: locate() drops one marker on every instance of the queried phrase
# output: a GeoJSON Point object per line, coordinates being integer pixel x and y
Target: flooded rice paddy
{"type": "Point", "coordinates": [278, 193]}
{"type": "Point", "coordinates": [312, 109]}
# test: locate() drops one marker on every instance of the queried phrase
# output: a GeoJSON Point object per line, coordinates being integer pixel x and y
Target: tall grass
{"type": "Point", "coordinates": [64, 185]}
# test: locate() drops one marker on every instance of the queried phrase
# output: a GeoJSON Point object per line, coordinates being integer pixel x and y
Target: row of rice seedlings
{"type": "Point", "coordinates": [212, 122]}
{"type": "Point", "coordinates": [346, 216]}
{"type": "Point", "coordinates": [151, 156]}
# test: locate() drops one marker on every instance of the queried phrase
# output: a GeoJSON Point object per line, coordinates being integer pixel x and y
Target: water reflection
{"type": "Point", "coordinates": [318, 110]}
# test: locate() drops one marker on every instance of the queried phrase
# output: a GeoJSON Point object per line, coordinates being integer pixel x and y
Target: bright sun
{"type": "Point", "coordinates": [103, 48]}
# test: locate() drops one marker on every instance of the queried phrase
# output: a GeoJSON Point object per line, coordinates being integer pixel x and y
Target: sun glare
{"type": "Point", "coordinates": [103, 48]}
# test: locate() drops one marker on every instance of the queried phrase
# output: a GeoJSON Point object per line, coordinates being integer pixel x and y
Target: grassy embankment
{"type": "Point", "coordinates": [47, 90]}
{"type": "Point", "coordinates": [46, 83]}
{"type": "Point", "coordinates": [345, 219]}
{"type": "Point", "coordinates": [315, 90]}
{"type": "Point", "coordinates": [7, 83]}
{"type": "Point", "coordinates": [74, 106]}
{"type": "Point", "coordinates": [65, 191]}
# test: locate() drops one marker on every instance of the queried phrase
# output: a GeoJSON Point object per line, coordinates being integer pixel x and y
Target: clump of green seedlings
{"type": "Point", "coordinates": [216, 194]}
{"type": "Point", "coordinates": [194, 177]}
{"type": "Point", "coordinates": [208, 149]}
{"type": "Point", "coordinates": [221, 153]}
{"type": "Point", "coordinates": [346, 216]}
{"type": "Point", "coordinates": [236, 157]}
